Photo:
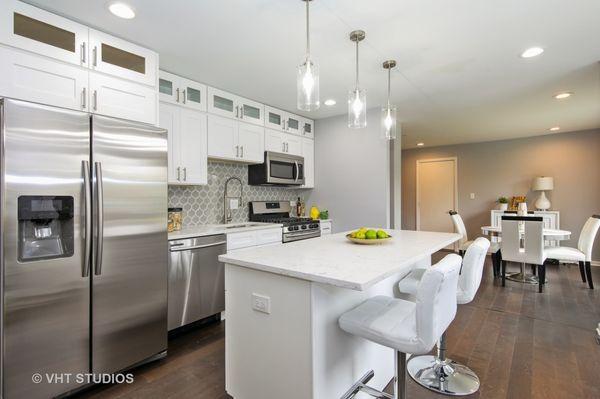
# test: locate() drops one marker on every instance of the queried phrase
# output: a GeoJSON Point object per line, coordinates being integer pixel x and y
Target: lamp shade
{"type": "Point", "coordinates": [543, 183]}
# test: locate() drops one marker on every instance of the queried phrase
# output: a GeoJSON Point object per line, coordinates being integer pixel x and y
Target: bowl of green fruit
{"type": "Point", "coordinates": [367, 236]}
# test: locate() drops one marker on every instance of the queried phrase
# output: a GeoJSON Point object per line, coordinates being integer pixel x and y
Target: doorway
{"type": "Point", "coordinates": [436, 193]}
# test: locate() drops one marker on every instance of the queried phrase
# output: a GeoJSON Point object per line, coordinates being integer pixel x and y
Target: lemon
{"type": "Point", "coordinates": [382, 234]}
{"type": "Point", "coordinates": [353, 234]}
{"type": "Point", "coordinates": [371, 234]}
{"type": "Point", "coordinates": [360, 235]}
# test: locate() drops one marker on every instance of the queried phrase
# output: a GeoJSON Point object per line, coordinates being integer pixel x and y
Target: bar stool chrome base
{"type": "Point", "coordinates": [445, 377]}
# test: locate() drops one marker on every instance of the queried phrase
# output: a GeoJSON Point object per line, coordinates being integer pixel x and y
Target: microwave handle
{"type": "Point", "coordinates": [297, 171]}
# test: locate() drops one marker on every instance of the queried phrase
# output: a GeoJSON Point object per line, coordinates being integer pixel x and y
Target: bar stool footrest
{"type": "Point", "coordinates": [361, 386]}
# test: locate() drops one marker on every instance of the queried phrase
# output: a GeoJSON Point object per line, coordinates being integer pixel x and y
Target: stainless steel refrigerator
{"type": "Point", "coordinates": [84, 246]}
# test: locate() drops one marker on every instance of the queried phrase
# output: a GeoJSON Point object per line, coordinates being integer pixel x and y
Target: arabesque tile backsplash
{"type": "Point", "coordinates": [204, 204]}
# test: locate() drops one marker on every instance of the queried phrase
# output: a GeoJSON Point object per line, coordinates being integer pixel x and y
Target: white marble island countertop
{"type": "Point", "coordinates": [336, 261]}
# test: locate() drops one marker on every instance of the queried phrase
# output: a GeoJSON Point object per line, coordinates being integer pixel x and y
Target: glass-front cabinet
{"type": "Point", "coordinates": [32, 29]}
{"type": "Point", "coordinates": [308, 128]}
{"type": "Point", "coordinates": [181, 91]}
{"type": "Point", "coordinates": [274, 118]}
{"type": "Point", "coordinates": [118, 57]}
{"type": "Point", "coordinates": [293, 124]}
{"type": "Point", "coordinates": [229, 105]}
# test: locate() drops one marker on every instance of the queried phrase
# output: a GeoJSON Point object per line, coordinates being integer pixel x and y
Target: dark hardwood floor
{"type": "Point", "coordinates": [521, 344]}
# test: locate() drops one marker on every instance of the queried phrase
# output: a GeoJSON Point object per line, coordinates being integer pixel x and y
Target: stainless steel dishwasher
{"type": "Point", "coordinates": [196, 279]}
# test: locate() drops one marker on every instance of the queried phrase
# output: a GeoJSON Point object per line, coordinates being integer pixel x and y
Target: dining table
{"type": "Point", "coordinates": [553, 235]}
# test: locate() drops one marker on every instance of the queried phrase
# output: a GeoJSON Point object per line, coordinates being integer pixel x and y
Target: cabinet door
{"type": "Point", "coordinates": [169, 119]}
{"type": "Point", "coordinates": [293, 144]}
{"type": "Point", "coordinates": [193, 147]}
{"type": "Point", "coordinates": [122, 99]}
{"type": "Point", "coordinates": [308, 129]}
{"type": "Point", "coordinates": [222, 137]}
{"type": "Point", "coordinates": [274, 118]}
{"type": "Point", "coordinates": [251, 142]}
{"type": "Point", "coordinates": [293, 124]}
{"type": "Point", "coordinates": [274, 141]}
{"type": "Point", "coordinates": [222, 103]}
{"type": "Point", "coordinates": [308, 152]}
{"type": "Point", "coordinates": [251, 111]}
{"type": "Point", "coordinates": [39, 79]}
{"type": "Point", "coordinates": [41, 32]}
{"type": "Point", "coordinates": [168, 87]}
{"type": "Point", "coordinates": [120, 58]}
{"type": "Point", "coordinates": [193, 94]}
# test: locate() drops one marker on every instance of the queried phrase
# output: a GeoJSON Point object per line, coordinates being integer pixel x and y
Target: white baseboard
{"type": "Point", "coordinates": [596, 263]}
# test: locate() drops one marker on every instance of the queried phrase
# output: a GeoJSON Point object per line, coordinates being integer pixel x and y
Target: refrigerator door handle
{"type": "Point", "coordinates": [87, 190]}
{"type": "Point", "coordinates": [99, 218]}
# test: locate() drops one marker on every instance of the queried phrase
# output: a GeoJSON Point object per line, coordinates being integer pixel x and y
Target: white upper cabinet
{"type": "Point", "coordinates": [283, 142]}
{"type": "Point", "coordinates": [233, 140]}
{"type": "Point", "coordinates": [178, 90]}
{"type": "Point", "coordinates": [293, 144]}
{"type": "Point", "coordinates": [231, 106]}
{"type": "Point", "coordinates": [274, 118]}
{"type": "Point", "coordinates": [308, 129]}
{"type": "Point", "coordinates": [308, 152]}
{"type": "Point", "coordinates": [114, 56]}
{"type": "Point", "coordinates": [122, 99]}
{"type": "Point", "coordinates": [32, 29]}
{"type": "Point", "coordinates": [187, 132]}
{"type": "Point", "coordinates": [293, 124]}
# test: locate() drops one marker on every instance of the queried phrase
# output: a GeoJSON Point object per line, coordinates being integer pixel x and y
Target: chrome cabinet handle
{"type": "Point", "coordinates": [179, 247]}
{"type": "Point", "coordinates": [184, 174]}
{"type": "Point", "coordinates": [177, 91]}
{"type": "Point", "coordinates": [242, 148]}
{"type": "Point", "coordinates": [178, 173]}
{"type": "Point", "coordinates": [95, 52]}
{"type": "Point", "coordinates": [99, 218]}
{"type": "Point", "coordinates": [237, 110]}
{"type": "Point", "coordinates": [83, 98]}
{"type": "Point", "coordinates": [237, 151]}
{"type": "Point", "coordinates": [83, 53]}
{"type": "Point", "coordinates": [184, 96]}
{"type": "Point", "coordinates": [87, 232]}
{"type": "Point", "coordinates": [282, 146]}
{"type": "Point", "coordinates": [242, 112]}
{"type": "Point", "coordinates": [95, 98]}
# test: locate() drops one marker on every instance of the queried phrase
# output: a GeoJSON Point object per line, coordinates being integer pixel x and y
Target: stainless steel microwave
{"type": "Point", "coordinates": [278, 169]}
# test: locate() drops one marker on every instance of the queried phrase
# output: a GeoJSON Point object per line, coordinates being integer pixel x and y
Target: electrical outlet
{"type": "Point", "coordinates": [472, 196]}
{"type": "Point", "coordinates": [234, 203]}
{"type": "Point", "coordinates": [261, 303]}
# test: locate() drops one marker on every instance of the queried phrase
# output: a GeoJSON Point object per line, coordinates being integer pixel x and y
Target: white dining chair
{"type": "Point", "coordinates": [583, 253]}
{"type": "Point", "coordinates": [527, 248]}
{"type": "Point", "coordinates": [464, 242]}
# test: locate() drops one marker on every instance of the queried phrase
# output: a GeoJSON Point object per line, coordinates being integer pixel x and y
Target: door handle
{"type": "Point", "coordinates": [95, 98]}
{"type": "Point", "coordinates": [99, 217]}
{"type": "Point", "coordinates": [87, 192]}
{"type": "Point", "coordinates": [83, 53]}
{"type": "Point", "coordinates": [184, 174]}
{"type": "Point", "coordinates": [83, 98]}
{"type": "Point", "coordinates": [179, 249]}
{"type": "Point", "coordinates": [95, 52]}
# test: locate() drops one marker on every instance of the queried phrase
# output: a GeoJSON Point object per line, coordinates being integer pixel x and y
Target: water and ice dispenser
{"type": "Point", "coordinates": [45, 227]}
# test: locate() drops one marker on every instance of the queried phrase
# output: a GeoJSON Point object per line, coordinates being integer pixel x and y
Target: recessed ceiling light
{"type": "Point", "coordinates": [561, 96]}
{"type": "Point", "coordinates": [420, 144]}
{"type": "Point", "coordinates": [554, 129]}
{"type": "Point", "coordinates": [532, 52]}
{"type": "Point", "coordinates": [330, 102]}
{"type": "Point", "coordinates": [121, 10]}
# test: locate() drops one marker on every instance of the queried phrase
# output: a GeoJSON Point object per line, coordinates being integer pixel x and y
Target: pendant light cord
{"type": "Point", "coordinates": [357, 65]}
{"type": "Point", "coordinates": [307, 30]}
{"type": "Point", "coordinates": [389, 89]}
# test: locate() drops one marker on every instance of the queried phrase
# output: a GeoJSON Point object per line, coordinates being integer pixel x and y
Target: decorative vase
{"type": "Point", "coordinates": [522, 209]}
{"type": "Point", "coordinates": [503, 206]}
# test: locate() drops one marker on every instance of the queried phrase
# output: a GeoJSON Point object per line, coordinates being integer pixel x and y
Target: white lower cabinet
{"type": "Point", "coordinates": [308, 152]}
{"type": "Point", "coordinates": [187, 132]}
{"type": "Point", "coordinates": [254, 238]}
{"type": "Point", "coordinates": [39, 79]}
{"type": "Point", "coordinates": [229, 139]}
{"type": "Point", "coordinates": [326, 227]}
{"type": "Point", "coordinates": [283, 142]}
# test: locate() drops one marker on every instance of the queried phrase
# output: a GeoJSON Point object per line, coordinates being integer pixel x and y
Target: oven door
{"type": "Point", "coordinates": [284, 169]}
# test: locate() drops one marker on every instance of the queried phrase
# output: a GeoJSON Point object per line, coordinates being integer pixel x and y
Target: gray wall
{"type": "Point", "coordinates": [204, 204]}
{"type": "Point", "coordinates": [351, 173]}
{"type": "Point", "coordinates": [507, 168]}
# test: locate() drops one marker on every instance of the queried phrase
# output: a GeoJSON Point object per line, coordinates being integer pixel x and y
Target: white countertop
{"type": "Point", "coordinates": [336, 261]}
{"type": "Point", "coordinates": [212, 229]}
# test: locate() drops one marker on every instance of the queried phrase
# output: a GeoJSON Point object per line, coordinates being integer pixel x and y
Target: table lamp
{"type": "Point", "coordinates": [543, 184]}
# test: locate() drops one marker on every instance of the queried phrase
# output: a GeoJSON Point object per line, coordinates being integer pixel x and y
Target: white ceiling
{"type": "Point", "coordinates": [459, 76]}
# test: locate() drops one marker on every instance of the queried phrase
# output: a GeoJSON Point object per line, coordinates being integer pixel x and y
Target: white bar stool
{"type": "Point", "coordinates": [439, 373]}
{"type": "Point", "coordinates": [407, 327]}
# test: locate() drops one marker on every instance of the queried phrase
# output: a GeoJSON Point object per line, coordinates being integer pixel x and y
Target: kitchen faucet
{"type": "Point", "coordinates": [227, 216]}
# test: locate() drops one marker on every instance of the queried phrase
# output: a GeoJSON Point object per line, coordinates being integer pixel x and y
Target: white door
{"type": "Point", "coordinates": [41, 32]}
{"type": "Point", "coordinates": [222, 103]}
{"type": "Point", "coordinates": [193, 94]}
{"type": "Point", "coordinates": [168, 87]}
{"type": "Point", "coordinates": [308, 152]}
{"type": "Point", "coordinates": [222, 137]}
{"type": "Point", "coordinates": [293, 124]}
{"type": "Point", "coordinates": [193, 147]}
{"type": "Point", "coordinates": [169, 119]}
{"type": "Point", "coordinates": [309, 128]}
{"type": "Point", "coordinates": [39, 79]}
{"type": "Point", "coordinates": [120, 58]}
{"type": "Point", "coordinates": [436, 194]}
{"type": "Point", "coordinates": [251, 142]}
{"type": "Point", "coordinates": [251, 111]}
{"type": "Point", "coordinates": [293, 144]}
{"type": "Point", "coordinates": [274, 118]}
{"type": "Point", "coordinates": [122, 99]}
{"type": "Point", "coordinates": [274, 141]}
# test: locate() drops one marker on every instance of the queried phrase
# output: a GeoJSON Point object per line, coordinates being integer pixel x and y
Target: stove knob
{"type": "Point", "coordinates": [303, 227]}
{"type": "Point", "coordinates": [296, 228]}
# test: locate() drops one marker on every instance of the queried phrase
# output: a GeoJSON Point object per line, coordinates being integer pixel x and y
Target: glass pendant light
{"type": "Point", "coordinates": [307, 83]}
{"type": "Point", "coordinates": [388, 113]}
{"type": "Point", "coordinates": [357, 98]}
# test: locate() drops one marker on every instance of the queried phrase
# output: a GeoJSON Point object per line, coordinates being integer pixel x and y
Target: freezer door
{"type": "Point", "coordinates": [45, 294]}
{"type": "Point", "coordinates": [129, 302]}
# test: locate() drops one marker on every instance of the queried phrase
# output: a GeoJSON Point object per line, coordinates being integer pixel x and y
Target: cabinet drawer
{"type": "Point", "coordinates": [241, 240]}
{"type": "Point", "coordinates": [270, 236]}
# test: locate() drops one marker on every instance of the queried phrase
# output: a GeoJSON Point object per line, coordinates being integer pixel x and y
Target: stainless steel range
{"type": "Point", "coordinates": [294, 228]}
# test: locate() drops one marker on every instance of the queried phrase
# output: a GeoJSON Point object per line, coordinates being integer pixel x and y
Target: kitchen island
{"type": "Point", "coordinates": [283, 302]}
